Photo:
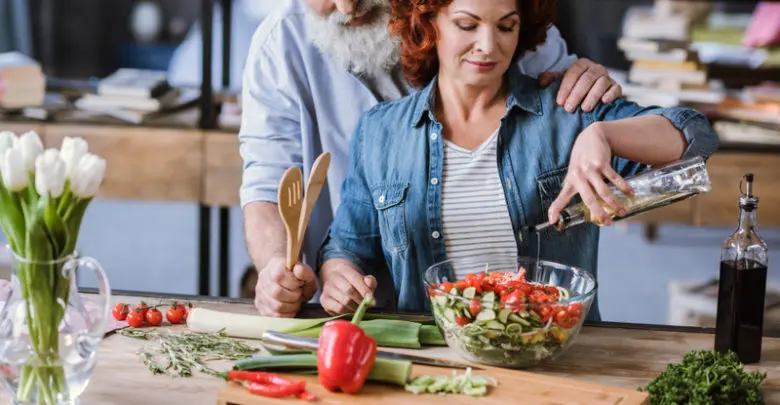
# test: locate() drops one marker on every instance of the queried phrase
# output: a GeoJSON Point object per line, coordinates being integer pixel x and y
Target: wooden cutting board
{"type": "Point", "coordinates": [513, 387]}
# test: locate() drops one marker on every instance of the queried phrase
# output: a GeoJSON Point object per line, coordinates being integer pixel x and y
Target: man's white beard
{"type": "Point", "coordinates": [365, 49]}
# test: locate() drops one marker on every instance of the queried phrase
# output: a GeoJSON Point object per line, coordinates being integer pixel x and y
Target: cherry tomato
{"type": "Point", "coordinates": [143, 308]}
{"type": "Point", "coordinates": [475, 307]}
{"type": "Point", "coordinates": [514, 300]}
{"type": "Point", "coordinates": [553, 291]}
{"type": "Point", "coordinates": [575, 308]}
{"type": "Point", "coordinates": [174, 315]}
{"type": "Point", "coordinates": [120, 312]}
{"type": "Point", "coordinates": [461, 320]}
{"type": "Point", "coordinates": [446, 286]}
{"type": "Point", "coordinates": [154, 317]}
{"type": "Point", "coordinates": [134, 319]}
{"type": "Point", "coordinates": [565, 319]}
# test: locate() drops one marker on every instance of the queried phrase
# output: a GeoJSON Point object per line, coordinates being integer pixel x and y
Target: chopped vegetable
{"type": "Point", "coordinates": [389, 371]}
{"type": "Point", "coordinates": [346, 353]}
{"type": "Point", "coordinates": [501, 318]}
{"type": "Point", "coordinates": [180, 353]}
{"type": "Point", "coordinates": [706, 377]}
{"type": "Point", "coordinates": [466, 384]}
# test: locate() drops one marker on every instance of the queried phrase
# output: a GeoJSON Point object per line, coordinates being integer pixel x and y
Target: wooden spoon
{"type": "Point", "coordinates": [319, 171]}
{"type": "Point", "coordinates": [290, 201]}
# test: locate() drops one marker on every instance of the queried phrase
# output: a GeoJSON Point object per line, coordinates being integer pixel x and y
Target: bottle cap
{"type": "Point", "coordinates": [747, 199]}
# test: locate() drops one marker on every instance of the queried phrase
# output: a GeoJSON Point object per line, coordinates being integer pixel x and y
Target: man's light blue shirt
{"type": "Point", "coordinates": [298, 103]}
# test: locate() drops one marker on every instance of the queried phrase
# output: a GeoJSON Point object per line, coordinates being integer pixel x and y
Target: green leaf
{"type": "Point", "coordinates": [13, 219]}
{"type": "Point", "coordinates": [39, 247]}
{"type": "Point", "coordinates": [54, 225]}
{"type": "Point", "coordinates": [72, 218]}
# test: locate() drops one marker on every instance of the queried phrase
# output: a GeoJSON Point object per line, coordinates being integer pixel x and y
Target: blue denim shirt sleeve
{"type": "Point", "coordinates": [699, 134]}
{"type": "Point", "coordinates": [354, 233]}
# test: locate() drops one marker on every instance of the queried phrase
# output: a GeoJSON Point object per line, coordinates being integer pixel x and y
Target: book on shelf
{"type": "Point", "coordinates": [742, 132]}
{"type": "Point", "coordinates": [22, 82]}
{"type": "Point", "coordinates": [135, 83]}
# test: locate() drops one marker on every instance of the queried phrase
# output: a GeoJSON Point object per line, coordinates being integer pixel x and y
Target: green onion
{"type": "Point", "coordinates": [396, 372]}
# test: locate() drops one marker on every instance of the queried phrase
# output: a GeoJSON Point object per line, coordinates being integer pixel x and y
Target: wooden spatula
{"type": "Point", "coordinates": [319, 171]}
{"type": "Point", "coordinates": [290, 201]}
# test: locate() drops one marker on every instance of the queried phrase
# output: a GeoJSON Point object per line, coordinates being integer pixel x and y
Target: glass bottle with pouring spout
{"type": "Point", "coordinates": [742, 284]}
{"type": "Point", "coordinates": [653, 189]}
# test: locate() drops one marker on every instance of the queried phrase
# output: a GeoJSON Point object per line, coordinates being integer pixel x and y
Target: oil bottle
{"type": "Point", "coordinates": [742, 283]}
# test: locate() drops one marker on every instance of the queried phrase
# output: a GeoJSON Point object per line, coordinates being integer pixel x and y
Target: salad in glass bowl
{"type": "Point", "coordinates": [509, 311]}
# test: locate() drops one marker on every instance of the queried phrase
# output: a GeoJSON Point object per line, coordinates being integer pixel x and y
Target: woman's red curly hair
{"type": "Point", "coordinates": [411, 22]}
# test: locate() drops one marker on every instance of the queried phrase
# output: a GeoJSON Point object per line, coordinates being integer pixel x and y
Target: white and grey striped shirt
{"type": "Point", "coordinates": [475, 216]}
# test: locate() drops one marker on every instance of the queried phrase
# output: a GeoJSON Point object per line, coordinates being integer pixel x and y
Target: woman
{"type": "Point", "coordinates": [459, 168]}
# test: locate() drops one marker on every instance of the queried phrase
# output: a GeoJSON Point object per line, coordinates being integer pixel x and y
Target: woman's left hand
{"type": "Point", "coordinates": [589, 164]}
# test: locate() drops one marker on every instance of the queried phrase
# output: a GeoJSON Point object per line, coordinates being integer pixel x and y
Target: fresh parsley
{"type": "Point", "coordinates": [706, 377]}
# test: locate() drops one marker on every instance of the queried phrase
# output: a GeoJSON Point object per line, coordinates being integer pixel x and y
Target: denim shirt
{"type": "Point", "coordinates": [389, 220]}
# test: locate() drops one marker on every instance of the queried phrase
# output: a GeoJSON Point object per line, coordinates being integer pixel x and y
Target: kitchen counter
{"type": "Point", "coordinates": [625, 356]}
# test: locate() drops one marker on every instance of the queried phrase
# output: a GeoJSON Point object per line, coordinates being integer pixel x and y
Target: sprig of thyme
{"type": "Point", "coordinates": [180, 353]}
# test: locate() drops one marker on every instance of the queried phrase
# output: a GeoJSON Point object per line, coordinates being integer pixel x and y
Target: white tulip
{"type": "Point", "coordinates": [7, 141]}
{"type": "Point", "coordinates": [50, 173]}
{"type": "Point", "coordinates": [71, 152]}
{"type": "Point", "coordinates": [13, 171]}
{"type": "Point", "coordinates": [88, 176]}
{"type": "Point", "coordinates": [31, 146]}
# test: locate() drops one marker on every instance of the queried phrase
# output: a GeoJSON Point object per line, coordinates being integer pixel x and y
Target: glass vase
{"type": "Point", "coordinates": [48, 337]}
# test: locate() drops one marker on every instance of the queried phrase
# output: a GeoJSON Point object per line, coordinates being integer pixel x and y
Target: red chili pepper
{"type": "Point", "coordinates": [275, 390]}
{"type": "Point", "coordinates": [346, 354]}
{"type": "Point", "coordinates": [261, 377]}
{"type": "Point", "coordinates": [307, 396]}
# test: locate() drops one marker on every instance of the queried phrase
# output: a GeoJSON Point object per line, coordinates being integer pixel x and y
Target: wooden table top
{"type": "Point", "coordinates": [616, 356]}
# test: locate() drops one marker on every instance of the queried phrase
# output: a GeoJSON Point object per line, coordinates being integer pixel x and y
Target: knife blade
{"type": "Point", "coordinates": [300, 342]}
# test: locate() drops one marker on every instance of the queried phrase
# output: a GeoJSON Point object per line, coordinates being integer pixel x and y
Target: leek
{"type": "Point", "coordinates": [386, 332]}
{"type": "Point", "coordinates": [396, 372]}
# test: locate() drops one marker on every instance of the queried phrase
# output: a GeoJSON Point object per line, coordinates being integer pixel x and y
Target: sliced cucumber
{"type": "Point", "coordinates": [469, 292]}
{"type": "Point", "coordinates": [487, 304]}
{"type": "Point", "coordinates": [517, 319]}
{"type": "Point", "coordinates": [495, 325]}
{"type": "Point", "coordinates": [486, 315]}
{"type": "Point", "coordinates": [489, 296]}
{"type": "Point", "coordinates": [514, 329]}
{"type": "Point", "coordinates": [441, 300]}
{"type": "Point", "coordinates": [454, 291]}
{"type": "Point", "coordinates": [505, 315]}
{"type": "Point", "coordinates": [449, 314]}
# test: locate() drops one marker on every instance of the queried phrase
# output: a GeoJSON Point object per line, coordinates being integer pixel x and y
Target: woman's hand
{"type": "Point", "coordinates": [589, 164]}
{"type": "Point", "coordinates": [343, 286]}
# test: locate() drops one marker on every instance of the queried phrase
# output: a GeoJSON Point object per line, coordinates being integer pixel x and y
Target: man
{"type": "Point", "coordinates": [313, 68]}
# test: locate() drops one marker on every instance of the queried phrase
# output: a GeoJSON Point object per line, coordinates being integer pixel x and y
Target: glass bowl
{"type": "Point", "coordinates": [506, 311]}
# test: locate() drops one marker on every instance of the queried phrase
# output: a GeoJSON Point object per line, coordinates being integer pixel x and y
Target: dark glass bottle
{"type": "Point", "coordinates": [742, 284]}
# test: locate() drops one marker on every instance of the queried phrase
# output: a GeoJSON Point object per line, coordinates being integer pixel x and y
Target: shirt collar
{"type": "Point", "coordinates": [523, 94]}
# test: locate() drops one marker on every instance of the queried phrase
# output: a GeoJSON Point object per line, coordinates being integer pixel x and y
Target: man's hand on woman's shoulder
{"type": "Point", "coordinates": [586, 83]}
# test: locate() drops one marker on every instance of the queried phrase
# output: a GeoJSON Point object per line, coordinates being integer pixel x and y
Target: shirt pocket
{"type": "Point", "coordinates": [389, 201]}
{"type": "Point", "coordinates": [549, 185]}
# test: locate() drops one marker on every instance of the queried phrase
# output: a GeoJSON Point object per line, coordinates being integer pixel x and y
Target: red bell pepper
{"type": "Point", "coordinates": [346, 354]}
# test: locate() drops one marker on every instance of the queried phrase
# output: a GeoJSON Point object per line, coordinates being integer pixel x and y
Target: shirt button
{"type": "Point", "coordinates": [434, 181]}
{"type": "Point", "coordinates": [434, 136]}
{"type": "Point", "coordinates": [382, 199]}
{"type": "Point", "coordinates": [435, 235]}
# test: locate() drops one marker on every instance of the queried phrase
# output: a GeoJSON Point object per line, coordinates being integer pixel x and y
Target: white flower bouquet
{"type": "Point", "coordinates": [43, 197]}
